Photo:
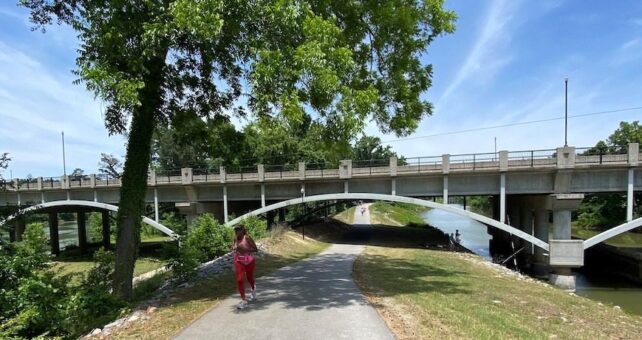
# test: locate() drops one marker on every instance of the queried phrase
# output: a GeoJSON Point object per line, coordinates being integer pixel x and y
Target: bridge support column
{"type": "Point", "coordinates": [225, 203]}
{"type": "Point", "coordinates": [156, 218]}
{"type": "Point", "coordinates": [562, 206]}
{"type": "Point", "coordinates": [21, 225]}
{"type": "Point", "coordinates": [262, 195]}
{"type": "Point", "coordinates": [629, 196]}
{"type": "Point", "coordinates": [502, 197]}
{"type": "Point", "coordinates": [270, 219]}
{"type": "Point", "coordinates": [394, 187]}
{"type": "Point", "coordinates": [82, 231]}
{"type": "Point", "coordinates": [541, 268]}
{"type": "Point", "coordinates": [54, 237]}
{"type": "Point", "coordinates": [445, 195]}
{"type": "Point", "coordinates": [106, 230]}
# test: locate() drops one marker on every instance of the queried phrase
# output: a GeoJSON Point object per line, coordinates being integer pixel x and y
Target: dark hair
{"type": "Point", "coordinates": [239, 227]}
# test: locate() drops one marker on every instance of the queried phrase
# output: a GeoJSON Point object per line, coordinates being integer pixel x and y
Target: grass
{"type": "Point", "coordinates": [186, 305]}
{"type": "Point", "coordinates": [85, 263]}
{"type": "Point", "coordinates": [436, 294]}
{"type": "Point", "coordinates": [624, 240]}
{"type": "Point", "coordinates": [346, 216]}
{"type": "Point", "coordinates": [396, 214]}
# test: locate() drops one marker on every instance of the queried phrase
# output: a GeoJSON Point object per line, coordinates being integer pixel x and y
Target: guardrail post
{"type": "Point", "coordinates": [260, 168]}
{"type": "Point", "coordinates": [393, 166]}
{"type": "Point", "coordinates": [151, 180]}
{"type": "Point", "coordinates": [92, 181]}
{"type": "Point", "coordinates": [302, 170]}
{"type": "Point", "coordinates": [39, 183]}
{"type": "Point", "coordinates": [445, 164]}
{"type": "Point", "coordinates": [345, 169]}
{"type": "Point", "coordinates": [503, 160]}
{"type": "Point", "coordinates": [222, 174]}
{"type": "Point", "coordinates": [64, 182]}
{"type": "Point", "coordinates": [186, 176]}
{"type": "Point", "coordinates": [16, 184]}
{"type": "Point", "coordinates": [634, 154]}
{"type": "Point", "coordinates": [566, 157]}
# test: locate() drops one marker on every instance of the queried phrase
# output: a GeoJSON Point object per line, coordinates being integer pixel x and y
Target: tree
{"type": "Point", "coordinates": [369, 148]}
{"type": "Point", "coordinates": [4, 163]}
{"type": "Point", "coordinates": [603, 211]}
{"type": "Point", "coordinates": [78, 172]}
{"type": "Point", "coordinates": [110, 165]}
{"type": "Point", "coordinates": [341, 62]}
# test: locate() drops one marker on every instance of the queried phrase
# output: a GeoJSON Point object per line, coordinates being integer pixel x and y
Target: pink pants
{"type": "Point", "coordinates": [244, 270]}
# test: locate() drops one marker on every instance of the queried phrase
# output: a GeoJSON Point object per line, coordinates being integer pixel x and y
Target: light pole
{"type": "Point", "coordinates": [565, 111]}
{"type": "Point", "coordinates": [64, 163]}
{"type": "Point", "coordinates": [303, 209]}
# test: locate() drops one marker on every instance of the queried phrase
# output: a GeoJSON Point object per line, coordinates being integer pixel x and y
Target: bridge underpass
{"type": "Point", "coordinates": [527, 187]}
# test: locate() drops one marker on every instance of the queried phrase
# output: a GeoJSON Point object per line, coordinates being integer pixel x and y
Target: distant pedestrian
{"type": "Point", "coordinates": [244, 263]}
{"type": "Point", "coordinates": [457, 237]}
{"type": "Point", "coordinates": [451, 241]}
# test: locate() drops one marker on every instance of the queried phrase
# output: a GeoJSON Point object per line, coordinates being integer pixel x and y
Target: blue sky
{"type": "Point", "coordinates": [506, 63]}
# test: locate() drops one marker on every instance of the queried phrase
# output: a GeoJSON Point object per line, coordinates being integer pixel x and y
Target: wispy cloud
{"type": "Point", "coordinates": [486, 57]}
{"type": "Point", "coordinates": [630, 43]}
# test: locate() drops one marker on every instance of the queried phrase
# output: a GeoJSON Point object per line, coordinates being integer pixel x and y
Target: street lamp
{"type": "Point", "coordinates": [303, 209]}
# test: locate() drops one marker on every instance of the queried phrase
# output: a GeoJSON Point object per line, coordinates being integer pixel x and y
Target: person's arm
{"type": "Point", "coordinates": [250, 241]}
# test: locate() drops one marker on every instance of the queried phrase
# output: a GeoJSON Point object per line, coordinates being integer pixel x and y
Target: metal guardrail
{"type": "Point", "coordinates": [431, 164]}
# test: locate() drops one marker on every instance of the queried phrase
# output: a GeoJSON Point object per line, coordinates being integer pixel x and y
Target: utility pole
{"type": "Point", "coordinates": [64, 162]}
{"type": "Point", "coordinates": [495, 146]}
{"type": "Point", "coordinates": [565, 111]}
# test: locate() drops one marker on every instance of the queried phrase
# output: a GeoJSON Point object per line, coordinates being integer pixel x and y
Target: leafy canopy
{"type": "Point", "coordinates": [342, 62]}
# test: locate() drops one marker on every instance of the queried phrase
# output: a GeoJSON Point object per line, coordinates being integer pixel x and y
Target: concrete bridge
{"type": "Point", "coordinates": [526, 187]}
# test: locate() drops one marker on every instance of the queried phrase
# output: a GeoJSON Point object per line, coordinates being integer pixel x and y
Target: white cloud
{"type": "Point", "coordinates": [487, 56]}
{"type": "Point", "coordinates": [630, 43]}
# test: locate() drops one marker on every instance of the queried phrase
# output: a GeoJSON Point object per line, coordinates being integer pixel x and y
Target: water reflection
{"type": "Point", "coordinates": [473, 233]}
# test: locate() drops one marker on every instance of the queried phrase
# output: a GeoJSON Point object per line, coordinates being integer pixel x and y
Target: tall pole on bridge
{"type": "Point", "coordinates": [565, 111]}
{"type": "Point", "coordinates": [64, 162]}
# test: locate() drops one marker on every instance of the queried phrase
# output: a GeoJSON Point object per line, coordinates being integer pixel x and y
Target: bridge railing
{"type": "Point", "coordinates": [419, 164]}
{"type": "Point", "coordinates": [286, 171]}
{"type": "Point", "coordinates": [370, 167]}
{"type": "Point", "coordinates": [169, 176]}
{"type": "Point", "coordinates": [532, 158]}
{"type": "Point", "coordinates": [51, 183]}
{"type": "Point", "coordinates": [206, 175]}
{"type": "Point", "coordinates": [593, 155]}
{"type": "Point", "coordinates": [241, 173]}
{"type": "Point", "coordinates": [79, 181]}
{"type": "Point", "coordinates": [474, 161]}
{"type": "Point", "coordinates": [28, 183]}
{"type": "Point", "coordinates": [320, 170]}
{"type": "Point", "coordinates": [104, 180]}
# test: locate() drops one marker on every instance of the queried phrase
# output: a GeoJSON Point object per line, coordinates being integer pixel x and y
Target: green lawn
{"type": "Point", "coordinates": [83, 264]}
{"type": "Point", "coordinates": [396, 214]}
{"type": "Point", "coordinates": [426, 294]}
{"type": "Point", "coordinates": [624, 240]}
{"type": "Point", "coordinates": [346, 216]}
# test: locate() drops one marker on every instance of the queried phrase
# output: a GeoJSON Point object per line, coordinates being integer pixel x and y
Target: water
{"type": "Point", "coordinates": [473, 233]}
{"type": "Point", "coordinates": [608, 289]}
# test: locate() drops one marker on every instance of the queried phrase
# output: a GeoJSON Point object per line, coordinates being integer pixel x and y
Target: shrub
{"type": "Point", "coordinates": [256, 227]}
{"type": "Point", "coordinates": [184, 264]}
{"type": "Point", "coordinates": [209, 239]}
{"type": "Point", "coordinates": [175, 222]}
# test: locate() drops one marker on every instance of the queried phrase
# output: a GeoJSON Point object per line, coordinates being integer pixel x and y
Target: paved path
{"type": "Point", "coordinates": [312, 299]}
{"type": "Point", "coordinates": [360, 219]}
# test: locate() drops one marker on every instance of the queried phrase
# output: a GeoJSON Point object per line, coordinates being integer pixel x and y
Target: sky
{"type": "Point", "coordinates": [505, 64]}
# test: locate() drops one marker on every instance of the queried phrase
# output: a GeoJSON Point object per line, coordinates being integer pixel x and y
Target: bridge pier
{"type": "Point", "coordinates": [563, 205]}
{"type": "Point", "coordinates": [106, 230]}
{"type": "Point", "coordinates": [53, 233]}
{"type": "Point", "coordinates": [21, 225]}
{"type": "Point", "coordinates": [82, 231]}
{"type": "Point", "coordinates": [541, 269]}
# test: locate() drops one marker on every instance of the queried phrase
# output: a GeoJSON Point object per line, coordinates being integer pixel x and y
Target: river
{"type": "Point", "coordinates": [604, 288]}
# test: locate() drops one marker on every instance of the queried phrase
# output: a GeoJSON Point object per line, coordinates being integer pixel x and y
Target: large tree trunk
{"type": "Point", "coordinates": [134, 180]}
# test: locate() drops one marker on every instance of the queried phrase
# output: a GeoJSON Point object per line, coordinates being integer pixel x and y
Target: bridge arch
{"type": "Point", "coordinates": [91, 204]}
{"type": "Point", "coordinates": [401, 199]}
{"type": "Point", "coordinates": [622, 228]}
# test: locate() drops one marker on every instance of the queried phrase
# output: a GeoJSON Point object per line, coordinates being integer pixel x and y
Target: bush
{"type": "Point", "coordinates": [209, 239]}
{"type": "Point", "coordinates": [184, 264]}
{"type": "Point", "coordinates": [175, 222]}
{"type": "Point", "coordinates": [256, 227]}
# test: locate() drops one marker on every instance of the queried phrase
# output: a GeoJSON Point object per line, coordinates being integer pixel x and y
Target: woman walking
{"type": "Point", "coordinates": [244, 263]}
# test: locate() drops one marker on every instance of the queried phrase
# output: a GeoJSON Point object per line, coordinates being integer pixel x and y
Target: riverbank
{"type": "Point", "coordinates": [436, 294]}
{"type": "Point", "coordinates": [397, 214]}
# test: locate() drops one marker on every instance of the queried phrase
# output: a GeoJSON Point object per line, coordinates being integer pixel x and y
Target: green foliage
{"type": "Point", "coordinates": [184, 263]}
{"type": "Point", "coordinates": [208, 238]}
{"type": "Point", "coordinates": [608, 210]}
{"type": "Point", "coordinates": [95, 232]}
{"type": "Point", "coordinates": [4, 163]}
{"type": "Point", "coordinates": [480, 205]}
{"type": "Point", "coordinates": [175, 222]}
{"type": "Point", "coordinates": [255, 226]}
